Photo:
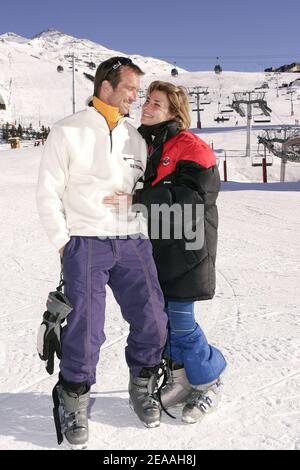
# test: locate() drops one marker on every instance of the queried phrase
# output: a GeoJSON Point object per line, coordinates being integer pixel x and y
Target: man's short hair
{"type": "Point", "coordinates": [110, 70]}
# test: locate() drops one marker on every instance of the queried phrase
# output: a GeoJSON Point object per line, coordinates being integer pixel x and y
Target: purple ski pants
{"type": "Point", "coordinates": [127, 266]}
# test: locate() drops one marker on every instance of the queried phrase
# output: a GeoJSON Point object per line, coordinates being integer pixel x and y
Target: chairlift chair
{"type": "Point", "coordinates": [191, 98]}
{"type": "Point", "coordinates": [261, 118]}
{"type": "Point", "coordinates": [174, 71]}
{"type": "Point", "coordinates": [256, 160]}
{"type": "Point", "coordinates": [219, 117]}
{"type": "Point", "coordinates": [218, 69]}
{"type": "Point", "coordinates": [225, 109]}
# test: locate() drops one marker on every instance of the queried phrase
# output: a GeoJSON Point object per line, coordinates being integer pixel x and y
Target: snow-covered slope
{"type": "Point", "coordinates": [254, 319]}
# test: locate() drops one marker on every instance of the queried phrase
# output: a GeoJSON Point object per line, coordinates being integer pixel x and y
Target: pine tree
{"type": "Point", "coordinates": [20, 131]}
{"type": "Point", "coordinates": [13, 131]}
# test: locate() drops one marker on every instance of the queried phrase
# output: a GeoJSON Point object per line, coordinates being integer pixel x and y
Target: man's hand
{"type": "Point", "coordinates": [120, 202]}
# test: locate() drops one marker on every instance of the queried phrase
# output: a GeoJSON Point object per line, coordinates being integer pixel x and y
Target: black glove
{"type": "Point", "coordinates": [48, 339]}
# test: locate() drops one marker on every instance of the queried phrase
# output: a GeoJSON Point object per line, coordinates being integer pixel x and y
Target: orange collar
{"type": "Point", "coordinates": [111, 113]}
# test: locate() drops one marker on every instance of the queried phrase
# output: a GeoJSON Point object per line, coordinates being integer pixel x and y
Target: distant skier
{"type": "Point", "coordinates": [88, 156]}
{"type": "Point", "coordinates": [182, 170]}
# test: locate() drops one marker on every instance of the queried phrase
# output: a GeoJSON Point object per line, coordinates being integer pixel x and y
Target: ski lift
{"type": "Point", "coordinates": [2, 102]}
{"type": "Point", "coordinates": [256, 160]}
{"type": "Point", "coordinates": [174, 71]}
{"type": "Point", "coordinates": [92, 65]}
{"type": "Point", "coordinates": [219, 117]}
{"type": "Point", "coordinates": [226, 109]}
{"type": "Point", "coordinates": [60, 68]}
{"type": "Point", "coordinates": [262, 86]}
{"type": "Point", "coordinates": [205, 101]}
{"type": "Point", "coordinates": [261, 118]}
{"type": "Point", "coordinates": [218, 68]}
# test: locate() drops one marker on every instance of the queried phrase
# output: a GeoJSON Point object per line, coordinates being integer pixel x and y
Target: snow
{"type": "Point", "coordinates": [253, 319]}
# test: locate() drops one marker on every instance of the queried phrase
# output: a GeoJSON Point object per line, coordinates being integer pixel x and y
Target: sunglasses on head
{"type": "Point", "coordinates": [121, 61]}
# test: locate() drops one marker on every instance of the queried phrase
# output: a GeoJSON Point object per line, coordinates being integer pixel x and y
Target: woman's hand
{"type": "Point", "coordinates": [120, 202]}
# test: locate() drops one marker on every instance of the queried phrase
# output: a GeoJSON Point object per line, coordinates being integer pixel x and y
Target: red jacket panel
{"type": "Point", "coordinates": [184, 146]}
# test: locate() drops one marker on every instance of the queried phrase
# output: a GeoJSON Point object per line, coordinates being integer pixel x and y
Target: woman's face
{"type": "Point", "coordinates": [156, 109]}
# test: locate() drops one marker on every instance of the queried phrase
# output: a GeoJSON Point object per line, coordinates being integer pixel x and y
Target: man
{"type": "Point", "coordinates": [89, 155]}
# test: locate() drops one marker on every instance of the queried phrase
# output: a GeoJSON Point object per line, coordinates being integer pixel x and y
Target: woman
{"type": "Point", "coordinates": [182, 174]}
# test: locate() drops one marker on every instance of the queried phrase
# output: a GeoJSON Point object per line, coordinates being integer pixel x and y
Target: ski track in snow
{"type": "Point", "coordinates": [254, 319]}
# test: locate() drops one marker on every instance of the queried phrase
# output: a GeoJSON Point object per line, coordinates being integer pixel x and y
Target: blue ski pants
{"type": "Point", "coordinates": [187, 345]}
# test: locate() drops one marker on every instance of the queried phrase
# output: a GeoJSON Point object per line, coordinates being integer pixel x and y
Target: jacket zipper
{"type": "Point", "coordinates": [111, 143]}
{"type": "Point", "coordinates": [110, 130]}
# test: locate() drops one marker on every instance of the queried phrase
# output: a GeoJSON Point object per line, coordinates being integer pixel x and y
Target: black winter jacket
{"type": "Point", "coordinates": [186, 173]}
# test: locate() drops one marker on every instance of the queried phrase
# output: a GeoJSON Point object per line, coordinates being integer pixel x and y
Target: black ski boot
{"type": "Point", "coordinates": [70, 413]}
{"type": "Point", "coordinates": [177, 388]}
{"type": "Point", "coordinates": [142, 397]}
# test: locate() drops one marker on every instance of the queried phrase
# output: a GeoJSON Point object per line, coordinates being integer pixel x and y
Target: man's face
{"type": "Point", "coordinates": [126, 92]}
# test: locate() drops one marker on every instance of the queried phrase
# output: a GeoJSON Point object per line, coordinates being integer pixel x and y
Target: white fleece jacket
{"type": "Point", "coordinates": [82, 162]}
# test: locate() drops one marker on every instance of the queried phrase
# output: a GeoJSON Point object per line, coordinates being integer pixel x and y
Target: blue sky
{"type": "Point", "coordinates": [246, 36]}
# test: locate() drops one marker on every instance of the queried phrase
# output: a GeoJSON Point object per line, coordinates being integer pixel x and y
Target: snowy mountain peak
{"type": "Point", "coordinates": [52, 45]}
{"type": "Point", "coordinates": [13, 37]}
{"type": "Point", "coordinates": [50, 33]}
{"type": "Point", "coordinates": [35, 80]}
